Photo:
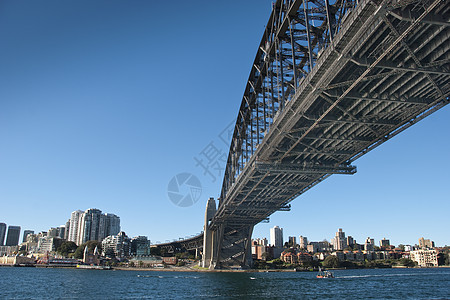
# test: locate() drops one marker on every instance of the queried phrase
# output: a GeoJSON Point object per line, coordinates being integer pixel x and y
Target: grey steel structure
{"type": "Point", "coordinates": [330, 82]}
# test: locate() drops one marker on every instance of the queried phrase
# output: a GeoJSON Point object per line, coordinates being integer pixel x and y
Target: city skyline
{"type": "Point", "coordinates": [105, 112]}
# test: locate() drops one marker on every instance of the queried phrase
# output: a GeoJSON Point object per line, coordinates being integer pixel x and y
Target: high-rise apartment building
{"type": "Point", "coordinates": [339, 241]}
{"type": "Point", "coordinates": [91, 226]}
{"type": "Point", "coordinates": [303, 242]}
{"type": "Point", "coordinates": [276, 236]}
{"type": "Point", "coordinates": [12, 238]}
{"type": "Point", "coordinates": [25, 234]}
{"type": "Point", "coordinates": [73, 229]}
{"type": "Point", "coordinates": [384, 243]}
{"type": "Point", "coordinates": [66, 232]}
{"type": "Point", "coordinates": [369, 244]}
{"type": "Point", "coordinates": [425, 243]}
{"type": "Point", "coordinates": [2, 233]}
{"type": "Point", "coordinates": [292, 241]}
{"type": "Point", "coordinates": [112, 224]}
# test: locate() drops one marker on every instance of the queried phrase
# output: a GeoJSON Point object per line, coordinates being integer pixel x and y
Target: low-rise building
{"type": "Point", "coordinates": [425, 257]}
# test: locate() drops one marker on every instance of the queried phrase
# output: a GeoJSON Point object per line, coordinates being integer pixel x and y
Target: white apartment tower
{"type": "Point", "coordinates": [73, 229]}
{"type": "Point", "coordinates": [276, 236]}
{"type": "Point", "coordinates": [339, 241]}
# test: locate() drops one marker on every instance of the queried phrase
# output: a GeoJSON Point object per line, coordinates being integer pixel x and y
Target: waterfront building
{"type": "Point", "coordinates": [276, 236]}
{"type": "Point", "coordinates": [140, 246]}
{"type": "Point", "coordinates": [117, 245]}
{"type": "Point", "coordinates": [8, 250]}
{"type": "Point", "coordinates": [424, 257]}
{"type": "Point", "coordinates": [48, 244]}
{"type": "Point", "coordinates": [2, 233]}
{"type": "Point", "coordinates": [25, 234]}
{"type": "Point", "coordinates": [259, 247]}
{"type": "Point", "coordinates": [12, 238]}
{"type": "Point", "coordinates": [425, 243]}
{"type": "Point", "coordinates": [303, 242]}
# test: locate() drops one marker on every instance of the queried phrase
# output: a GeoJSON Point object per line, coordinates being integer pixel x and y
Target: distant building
{"type": "Point", "coordinates": [112, 224]}
{"type": "Point", "coordinates": [262, 242]}
{"type": "Point", "coordinates": [25, 234]}
{"type": "Point", "coordinates": [369, 244]}
{"type": "Point", "coordinates": [48, 244]}
{"type": "Point", "coordinates": [2, 233]}
{"type": "Point", "coordinates": [74, 224]}
{"type": "Point", "coordinates": [303, 242]}
{"type": "Point", "coordinates": [276, 236]}
{"type": "Point", "coordinates": [61, 231]}
{"type": "Point", "coordinates": [116, 245]}
{"type": "Point", "coordinates": [52, 232]}
{"type": "Point", "coordinates": [314, 247]}
{"type": "Point", "coordinates": [339, 242]}
{"type": "Point", "coordinates": [13, 236]}
{"type": "Point", "coordinates": [66, 232]}
{"type": "Point", "coordinates": [91, 224]}
{"type": "Point", "coordinates": [140, 246]}
{"type": "Point", "coordinates": [425, 257]}
{"type": "Point", "coordinates": [384, 243]}
{"type": "Point", "coordinates": [350, 241]}
{"type": "Point", "coordinates": [292, 241]}
{"type": "Point", "coordinates": [425, 243]}
{"type": "Point", "coordinates": [259, 247]}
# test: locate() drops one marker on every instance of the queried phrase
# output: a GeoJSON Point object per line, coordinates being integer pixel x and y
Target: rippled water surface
{"type": "Point", "coordinates": [37, 283]}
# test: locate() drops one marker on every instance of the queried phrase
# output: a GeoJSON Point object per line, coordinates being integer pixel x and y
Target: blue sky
{"type": "Point", "coordinates": [102, 103]}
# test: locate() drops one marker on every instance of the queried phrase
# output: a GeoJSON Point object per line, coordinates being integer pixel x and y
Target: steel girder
{"type": "Point", "coordinates": [330, 82]}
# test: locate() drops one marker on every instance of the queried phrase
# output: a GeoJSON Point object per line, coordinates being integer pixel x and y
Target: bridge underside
{"type": "Point", "coordinates": [319, 97]}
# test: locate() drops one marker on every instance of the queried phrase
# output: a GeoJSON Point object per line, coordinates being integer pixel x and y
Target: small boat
{"type": "Point", "coordinates": [324, 274]}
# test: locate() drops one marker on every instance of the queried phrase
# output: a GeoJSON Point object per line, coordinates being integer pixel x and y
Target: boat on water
{"type": "Point", "coordinates": [325, 274]}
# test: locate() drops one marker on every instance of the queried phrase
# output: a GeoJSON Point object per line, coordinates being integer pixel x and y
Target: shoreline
{"type": "Point", "coordinates": [196, 270]}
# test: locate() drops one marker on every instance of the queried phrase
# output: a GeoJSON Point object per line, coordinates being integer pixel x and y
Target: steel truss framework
{"type": "Point", "coordinates": [330, 82]}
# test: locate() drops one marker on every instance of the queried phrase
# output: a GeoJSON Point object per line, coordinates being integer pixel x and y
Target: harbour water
{"type": "Point", "coordinates": [39, 283]}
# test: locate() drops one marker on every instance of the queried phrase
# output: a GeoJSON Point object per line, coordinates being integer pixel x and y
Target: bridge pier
{"type": "Point", "coordinates": [226, 246]}
{"type": "Point", "coordinates": [208, 234]}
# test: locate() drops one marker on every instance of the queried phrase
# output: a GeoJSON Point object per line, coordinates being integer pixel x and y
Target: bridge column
{"type": "Point", "coordinates": [208, 235]}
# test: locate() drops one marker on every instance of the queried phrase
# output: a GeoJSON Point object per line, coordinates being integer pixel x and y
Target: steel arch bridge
{"type": "Point", "coordinates": [331, 81]}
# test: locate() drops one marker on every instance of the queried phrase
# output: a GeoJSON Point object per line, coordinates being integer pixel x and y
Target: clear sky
{"type": "Point", "coordinates": [103, 102]}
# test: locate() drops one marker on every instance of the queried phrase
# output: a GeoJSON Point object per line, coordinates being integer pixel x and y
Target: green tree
{"type": "Point", "coordinates": [66, 248]}
{"type": "Point", "coordinates": [266, 256]}
{"type": "Point", "coordinates": [407, 262]}
{"type": "Point", "coordinates": [331, 262]}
